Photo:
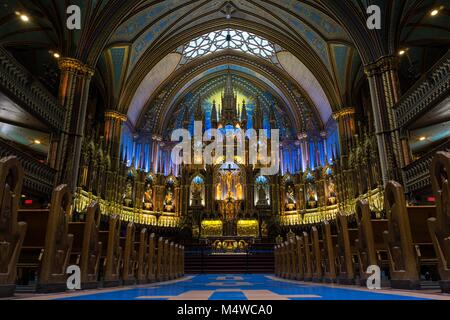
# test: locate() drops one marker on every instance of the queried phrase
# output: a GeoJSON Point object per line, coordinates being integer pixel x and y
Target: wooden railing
{"type": "Point", "coordinates": [416, 175]}
{"type": "Point", "coordinates": [38, 176]}
{"type": "Point", "coordinates": [28, 92]}
{"type": "Point", "coordinates": [429, 90]}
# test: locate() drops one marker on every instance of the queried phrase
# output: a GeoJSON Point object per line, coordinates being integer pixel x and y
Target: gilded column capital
{"type": "Point", "coordinates": [384, 64]}
{"type": "Point", "coordinates": [343, 112]}
{"type": "Point", "coordinates": [75, 66]}
{"type": "Point", "coordinates": [111, 114]}
{"type": "Point", "coordinates": [302, 136]}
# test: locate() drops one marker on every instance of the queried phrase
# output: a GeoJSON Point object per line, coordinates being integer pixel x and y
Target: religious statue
{"type": "Point", "coordinates": [262, 198]}
{"type": "Point", "coordinates": [290, 198]}
{"type": "Point", "coordinates": [229, 178]}
{"type": "Point", "coordinates": [331, 193]}
{"type": "Point", "coordinates": [196, 194]}
{"type": "Point", "coordinates": [239, 193]}
{"type": "Point", "coordinates": [168, 202]}
{"type": "Point", "coordinates": [128, 195]}
{"type": "Point", "coordinates": [148, 203]}
{"type": "Point", "coordinates": [312, 202]}
{"type": "Point", "coordinates": [264, 229]}
{"type": "Point", "coordinates": [219, 191]}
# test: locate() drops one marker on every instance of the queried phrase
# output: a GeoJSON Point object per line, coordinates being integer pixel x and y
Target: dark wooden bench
{"type": "Point", "coordinates": [111, 256]}
{"type": "Point", "coordinates": [328, 244]}
{"type": "Point", "coordinates": [316, 259]}
{"type": "Point", "coordinates": [151, 258]}
{"type": "Point", "coordinates": [299, 247]}
{"type": "Point", "coordinates": [159, 259]}
{"type": "Point", "coordinates": [439, 226]}
{"type": "Point", "coordinates": [47, 245]}
{"type": "Point", "coordinates": [307, 246]}
{"type": "Point", "coordinates": [407, 238]}
{"type": "Point", "coordinates": [129, 255]}
{"type": "Point", "coordinates": [12, 232]}
{"type": "Point", "coordinates": [87, 248]}
{"type": "Point", "coordinates": [141, 245]}
{"type": "Point", "coordinates": [345, 250]}
{"type": "Point", "coordinates": [370, 244]}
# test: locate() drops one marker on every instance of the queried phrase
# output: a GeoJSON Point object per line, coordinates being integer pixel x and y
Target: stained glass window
{"type": "Point", "coordinates": [229, 39]}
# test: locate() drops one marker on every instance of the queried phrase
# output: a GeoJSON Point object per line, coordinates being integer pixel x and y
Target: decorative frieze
{"type": "Point", "coordinates": [29, 93]}
{"type": "Point", "coordinates": [425, 94]}
{"type": "Point", "coordinates": [417, 174]}
{"type": "Point", "coordinates": [38, 176]}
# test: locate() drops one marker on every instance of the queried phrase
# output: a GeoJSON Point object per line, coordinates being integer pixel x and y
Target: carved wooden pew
{"type": "Point", "coordinates": [439, 227]}
{"type": "Point", "coordinates": [345, 250]}
{"type": "Point", "coordinates": [160, 260]}
{"type": "Point", "coordinates": [327, 253]}
{"type": "Point", "coordinates": [293, 259]}
{"type": "Point", "coordinates": [151, 259]}
{"type": "Point", "coordinates": [308, 261]}
{"type": "Point", "coordinates": [47, 244]}
{"type": "Point", "coordinates": [175, 260]}
{"type": "Point", "coordinates": [129, 255]}
{"type": "Point", "coordinates": [12, 233]}
{"type": "Point", "coordinates": [316, 261]}
{"type": "Point", "coordinates": [180, 270]}
{"type": "Point", "coordinates": [407, 239]}
{"type": "Point", "coordinates": [285, 260]}
{"type": "Point", "coordinates": [141, 245]}
{"type": "Point", "coordinates": [182, 261]}
{"type": "Point", "coordinates": [111, 252]}
{"type": "Point", "coordinates": [276, 260]}
{"type": "Point", "coordinates": [172, 261]}
{"type": "Point", "coordinates": [369, 245]}
{"type": "Point", "coordinates": [300, 256]}
{"type": "Point", "coordinates": [87, 248]}
{"type": "Point", "coordinates": [165, 260]}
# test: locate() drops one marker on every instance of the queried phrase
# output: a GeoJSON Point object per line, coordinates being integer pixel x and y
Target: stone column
{"type": "Point", "coordinates": [385, 92]}
{"type": "Point", "coordinates": [73, 95]}
{"type": "Point", "coordinates": [346, 124]}
{"type": "Point", "coordinates": [302, 137]}
{"type": "Point", "coordinates": [324, 136]}
{"type": "Point", "coordinates": [113, 133]}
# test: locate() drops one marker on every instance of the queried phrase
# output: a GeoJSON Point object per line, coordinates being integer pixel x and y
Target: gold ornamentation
{"type": "Point", "coordinates": [115, 116]}
{"type": "Point", "coordinates": [343, 112]}
{"type": "Point", "coordinates": [75, 66]}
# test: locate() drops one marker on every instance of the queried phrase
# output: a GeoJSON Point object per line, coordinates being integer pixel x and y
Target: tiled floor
{"type": "Point", "coordinates": [242, 287]}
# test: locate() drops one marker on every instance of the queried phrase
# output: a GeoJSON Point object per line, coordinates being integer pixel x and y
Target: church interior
{"type": "Point", "coordinates": [355, 118]}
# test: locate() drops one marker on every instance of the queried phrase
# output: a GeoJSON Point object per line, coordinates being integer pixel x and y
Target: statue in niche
{"type": "Point", "coordinates": [148, 203]}
{"type": "Point", "coordinates": [219, 191]}
{"type": "Point", "coordinates": [290, 198]}
{"type": "Point", "coordinates": [264, 229]}
{"type": "Point", "coordinates": [196, 194]}
{"type": "Point", "coordinates": [312, 202]}
{"type": "Point", "coordinates": [262, 198]}
{"type": "Point", "coordinates": [128, 195]}
{"type": "Point", "coordinates": [239, 193]}
{"type": "Point", "coordinates": [229, 179]}
{"type": "Point", "coordinates": [331, 193]}
{"type": "Point", "coordinates": [168, 202]}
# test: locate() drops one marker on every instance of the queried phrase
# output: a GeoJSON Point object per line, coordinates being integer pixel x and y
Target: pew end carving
{"type": "Point", "coordinates": [370, 246]}
{"type": "Point", "coordinates": [112, 252]}
{"type": "Point", "coordinates": [142, 257]}
{"type": "Point", "coordinates": [345, 250]}
{"type": "Point", "coordinates": [12, 232]}
{"type": "Point", "coordinates": [403, 262]}
{"type": "Point", "coordinates": [439, 226]}
{"type": "Point", "coordinates": [91, 247]}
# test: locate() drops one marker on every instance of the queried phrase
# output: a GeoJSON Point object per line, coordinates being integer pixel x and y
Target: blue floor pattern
{"type": "Point", "coordinates": [237, 287]}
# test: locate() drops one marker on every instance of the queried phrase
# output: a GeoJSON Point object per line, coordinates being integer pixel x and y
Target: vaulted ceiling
{"type": "Point", "coordinates": [137, 47]}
